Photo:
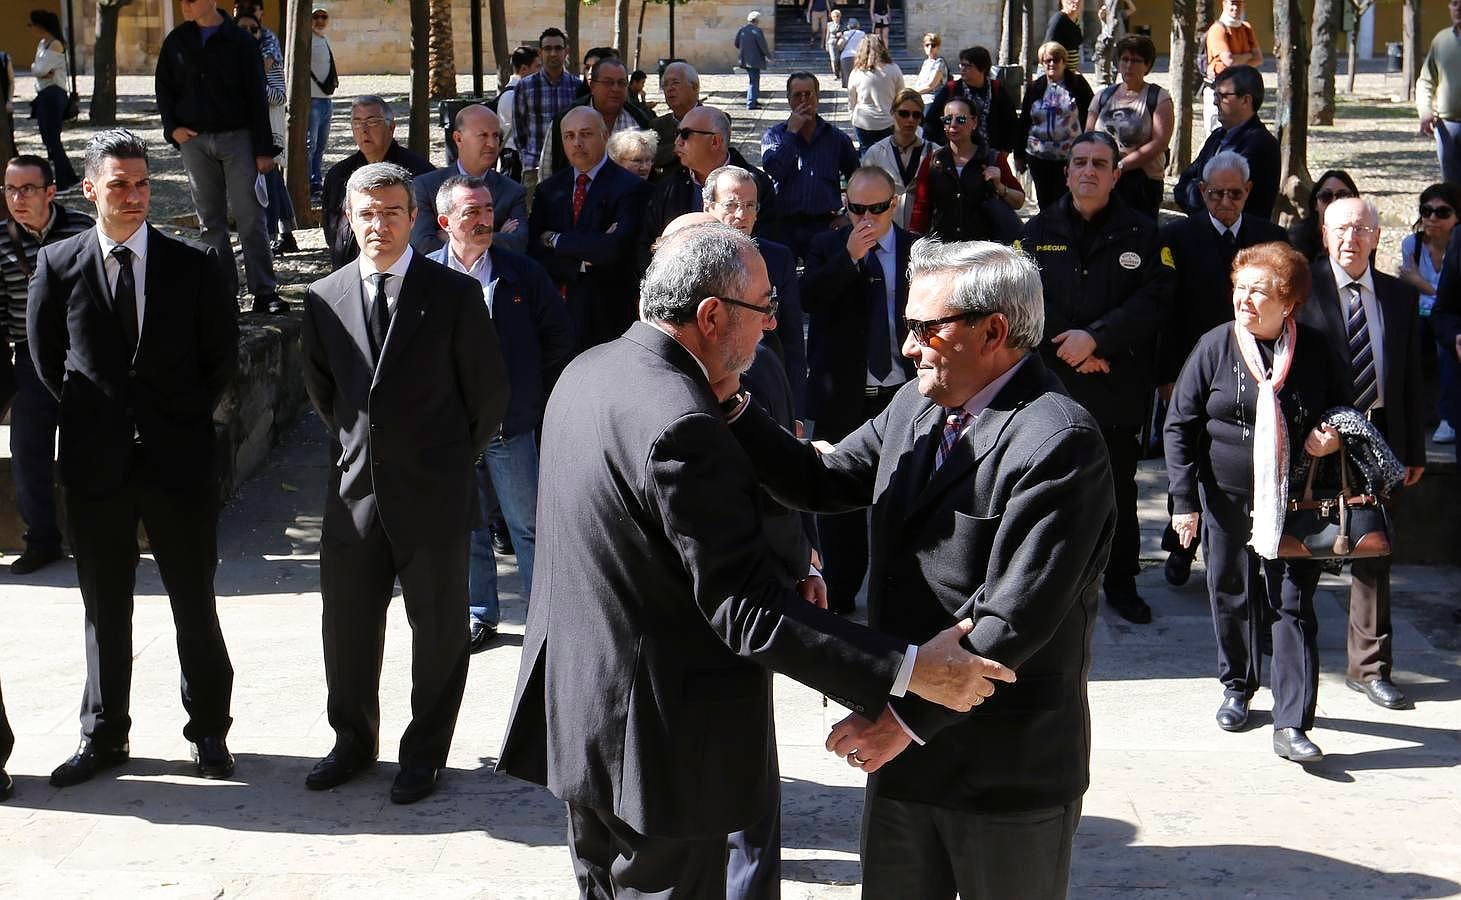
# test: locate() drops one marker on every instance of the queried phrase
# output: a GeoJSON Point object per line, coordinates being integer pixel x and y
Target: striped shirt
{"type": "Point", "coordinates": [274, 85]}
{"type": "Point", "coordinates": [536, 104]}
{"type": "Point", "coordinates": [63, 224]}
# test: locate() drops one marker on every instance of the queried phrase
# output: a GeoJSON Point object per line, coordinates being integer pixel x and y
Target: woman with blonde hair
{"type": "Point", "coordinates": [1051, 118]}
{"type": "Point", "coordinates": [904, 154]}
{"type": "Point", "coordinates": [874, 82]}
{"type": "Point", "coordinates": [634, 149]}
{"type": "Point", "coordinates": [934, 73]}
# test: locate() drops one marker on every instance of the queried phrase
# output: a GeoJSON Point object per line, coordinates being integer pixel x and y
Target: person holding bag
{"type": "Point", "coordinates": [1246, 407]}
{"type": "Point", "coordinates": [52, 100]}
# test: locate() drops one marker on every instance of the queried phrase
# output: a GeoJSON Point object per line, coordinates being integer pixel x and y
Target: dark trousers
{"type": "Point", "coordinates": [912, 849]}
{"type": "Point", "coordinates": [1237, 582]}
{"type": "Point", "coordinates": [1124, 449]}
{"type": "Point", "coordinates": [867, 137]}
{"type": "Point", "coordinates": [1370, 635]}
{"type": "Point", "coordinates": [753, 868]}
{"type": "Point", "coordinates": [1049, 178]}
{"type": "Point", "coordinates": [845, 535]}
{"type": "Point", "coordinates": [33, 418]}
{"type": "Point", "coordinates": [182, 529]}
{"type": "Point", "coordinates": [1141, 192]}
{"type": "Point", "coordinates": [50, 110]}
{"type": "Point", "coordinates": [797, 232]}
{"type": "Point", "coordinates": [612, 860]}
{"type": "Point", "coordinates": [357, 580]}
{"type": "Point", "coordinates": [7, 737]}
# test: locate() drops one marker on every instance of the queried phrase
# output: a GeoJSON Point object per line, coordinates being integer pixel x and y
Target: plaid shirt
{"type": "Point", "coordinates": [13, 281]}
{"type": "Point", "coordinates": [536, 104]}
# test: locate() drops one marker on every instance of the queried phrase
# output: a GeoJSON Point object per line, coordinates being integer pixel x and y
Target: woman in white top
{"type": "Point", "coordinates": [834, 39]}
{"type": "Point", "coordinates": [904, 154]}
{"type": "Point", "coordinates": [934, 73]}
{"type": "Point", "coordinates": [51, 78]}
{"type": "Point", "coordinates": [852, 38]}
{"type": "Point", "coordinates": [874, 82]}
{"type": "Point", "coordinates": [1421, 254]}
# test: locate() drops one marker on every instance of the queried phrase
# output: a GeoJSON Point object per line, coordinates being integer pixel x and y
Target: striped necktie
{"type": "Point", "coordinates": [955, 421]}
{"type": "Point", "coordinates": [1361, 354]}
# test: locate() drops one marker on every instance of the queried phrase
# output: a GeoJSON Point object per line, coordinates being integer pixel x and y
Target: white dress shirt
{"type": "Point", "coordinates": [393, 284]}
{"type": "Point", "coordinates": [1222, 229]}
{"type": "Point", "coordinates": [1374, 320]}
{"type": "Point", "coordinates": [137, 243]}
{"type": "Point", "coordinates": [887, 255]}
{"type": "Point", "coordinates": [480, 270]}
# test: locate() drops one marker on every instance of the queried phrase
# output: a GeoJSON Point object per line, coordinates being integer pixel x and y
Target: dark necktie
{"type": "Point", "coordinates": [879, 337]}
{"type": "Point", "coordinates": [1361, 354]}
{"type": "Point", "coordinates": [1231, 240]}
{"type": "Point", "coordinates": [124, 296]}
{"type": "Point", "coordinates": [955, 421]}
{"type": "Point", "coordinates": [580, 193]}
{"type": "Point", "coordinates": [380, 313]}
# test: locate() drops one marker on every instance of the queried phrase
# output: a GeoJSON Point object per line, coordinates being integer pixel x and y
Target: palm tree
{"type": "Point", "coordinates": [443, 68]}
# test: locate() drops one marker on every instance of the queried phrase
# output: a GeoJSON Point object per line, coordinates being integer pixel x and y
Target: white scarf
{"type": "Point", "coordinates": [1230, 23]}
{"type": "Point", "coordinates": [1270, 438]}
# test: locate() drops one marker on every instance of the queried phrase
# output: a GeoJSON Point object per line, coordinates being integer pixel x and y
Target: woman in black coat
{"type": "Point", "coordinates": [1229, 445]}
{"type": "Point", "coordinates": [949, 203]}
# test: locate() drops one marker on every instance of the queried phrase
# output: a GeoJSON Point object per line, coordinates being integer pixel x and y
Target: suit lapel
{"type": "Point", "coordinates": [94, 273]}
{"type": "Point", "coordinates": [153, 267]}
{"type": "Point", "coordinates": [924, 433]}
{"type": "Point", "coordinates": [349, 306]}
{"type": "Point", "coordinates": [410, 309]}
{"type": "Point", "coordinates": [1329, 309]}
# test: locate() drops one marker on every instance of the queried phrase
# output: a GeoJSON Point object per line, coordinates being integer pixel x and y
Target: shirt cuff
{"type": "Point", "coordinates": [904, 725]}
{"type": "Point", "coordinates": [744, 401]}
{"type": "Point", "coordinates": [905, 672]}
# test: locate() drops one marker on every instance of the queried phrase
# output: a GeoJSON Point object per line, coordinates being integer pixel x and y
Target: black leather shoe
{"type": "Point", "coordinates": [501, 538]}
{"type": "Point", "coordinates": [271, 304]}
{"type": "Point", "coordinates": [1381, 693]}
{"type": "Point", "coordinates": [1293, 744]}
{"type": "Point", "coordinates": [7, 786]}
{"type": "Point", "coordinates": [285, 244]}
{"type": "Point", "coordinates": [335, 769]}
{"type": "Point", "coordinates": [35, 558]}
{"type": "Point", "coordinates": [414, 783]}
{"type": "Point", "coordinates": [1130, 606]}
{"type": "Point", "coordinates": [88, 759]}
{"type": "Point", "coordinates": [482, 635]}
{"type": "Point", "coordinates": [212, 757]}
{"type": "Point", "coordinates": [1233, 714]}
{"type": "Point", "coordinates": [1178, 569]}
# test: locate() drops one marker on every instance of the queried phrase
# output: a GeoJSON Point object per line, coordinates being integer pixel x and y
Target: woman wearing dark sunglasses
{"type": "Point", "coordinates": [1421, 254]}
{"type": "Point", "coordinates": [904, 154]}
{"type": "Point", "coordinates": [951, 202]}
{"type": "Point", "coordinates": [1334, 184]}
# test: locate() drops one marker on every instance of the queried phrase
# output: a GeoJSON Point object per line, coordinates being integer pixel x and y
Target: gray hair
{"type": "Point", "coordinates": [720, 122]}
{"type": "Point", "coordinates": [375, 100]}
{"type": "Point", "coordinates": [444, 193]}
{"type": "Point", "coordinates": [117, 143]}
{"type": "Point", "coordinates": [379, 176]}
{"type": "Point", "coordinates": [1372, 212]}
{"type": "Point", "coordinates": [1226, 161]}
{"type": "Point", "coordinates": [734, 173]}
{"type": "Point", "coordinates": [692, 264]}
{"type": "Point", "coordinates": [623, 143]}
{"type": "Point", "coordinates": [988, 278]}
{"type": "Point", "coordinates": [691, 76]}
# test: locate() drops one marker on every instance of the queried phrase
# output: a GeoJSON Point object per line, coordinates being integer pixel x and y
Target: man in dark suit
{"type": "Point", "coordinates": [583, 228]}
{"type": "Point", "coordinates": [991, 497]}
{"type": "Point", "coordinates": [643, 699]}
{"type": "Point", "coordinates": [477, 133]}
{"type": "Point", "coordinates": [854, 288]}
{"type": "Point", "coordinates": [1202, 247]}
{"type": "Point", "coordinates": [373, 124]}
{"type": "Point", "coordinates": [402, 364]}
{"type": "Point", "coordinates": [608, 96]}
{"type": "Point", "coordinates": [1372, 321]}
{"type": "Point", "coordinates": [137, 336]}
{"type": "Point", "coordinates": [1239, 92]}
{"type": "Point", "coordinates": [680, 85]}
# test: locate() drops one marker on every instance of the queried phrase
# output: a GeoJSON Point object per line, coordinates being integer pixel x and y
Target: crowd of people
{"type": "Point", "coordinates": [705, 399]}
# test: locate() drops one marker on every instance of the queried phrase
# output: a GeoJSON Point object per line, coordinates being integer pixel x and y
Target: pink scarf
{"type": "Point", "coordinates": [1270, 438]}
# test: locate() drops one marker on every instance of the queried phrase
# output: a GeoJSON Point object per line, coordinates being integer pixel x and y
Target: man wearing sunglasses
{"type": "Point", "coordinates": [1239, 92]}
{"type": "Point", "coordinates": [990, 494]}
{"type": "Point", "coordinates": [854, 289]}
{"type": "Point", "coordinates": [1203, 247]}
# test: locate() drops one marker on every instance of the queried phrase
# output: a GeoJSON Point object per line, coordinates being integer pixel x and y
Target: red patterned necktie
{"type": "Point", "coordinates": [580, 193]}
{"type": "Point", "coordinates": [954, 425]}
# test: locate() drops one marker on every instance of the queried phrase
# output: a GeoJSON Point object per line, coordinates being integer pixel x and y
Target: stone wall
{"type": "Point", "coordinates": [961, 23]}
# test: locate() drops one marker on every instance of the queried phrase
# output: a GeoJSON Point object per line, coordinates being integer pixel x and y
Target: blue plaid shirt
{"type": "Point", "coordinates": [807, 174]}
{"type": "Point", "coordinates": [535, 105]}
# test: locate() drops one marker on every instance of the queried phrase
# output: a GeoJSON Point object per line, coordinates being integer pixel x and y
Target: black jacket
{"type": "Point", "coordinates": [1109, 278]}
{"type": "Point", "coordinates": [1000, 122]}
{"type": "Point", "coordinates": [676, 193]}
{"type": "Point", "coordinates": [338, 237]}
{"type": "Point", "coordinates": [1446, 314]}
{"type": "Point", "coordinates": [1253, 142]}
{"type": "Point", "coordinates": [956, 201]}
{"type": "Point", "coordinates": [213, 88]}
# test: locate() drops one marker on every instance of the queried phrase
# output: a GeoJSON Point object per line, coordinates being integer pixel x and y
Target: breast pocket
{"type": "Point", "coordinates": [961, 560]}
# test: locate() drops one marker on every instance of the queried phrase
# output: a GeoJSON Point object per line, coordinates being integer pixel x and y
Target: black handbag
{"type": "Point", "coordinates": [1331, 524]}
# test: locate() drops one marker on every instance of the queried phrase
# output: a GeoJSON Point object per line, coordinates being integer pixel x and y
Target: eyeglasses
{"type": "Point", "coordinates": [922, 330]}
{"type": "Point", "coordinates": [1359, 230]}
{"type": "Point", "coordinates": [612, 82]}
{"type": "Point", "coordinates": [1223, 95]}
{"type": "Point", "coordinates": [914, 114]}
{"type": "Point", "coordinates": [684, 133]}
{"type": "Point", "coordinates": [769, 310]}
{"type": "Point", "coordinates": [1224, 193]}
{"type": "Point", "coordinates": [955, 120]}
{"type": "Point", "coordinates": [25, 191]}
{"type": "Point", "coordinates": [732, 206]}
{"type": "Point", "coordinates": [1050, 61]}
{"type": "Point", "coordinates": [1438, 212]}
{"type": "Point", "coordinates": [372, 122]}
{"type": "Point", "coordinates": [320, 18]}
{"type": "Point", "coordinates": [1330, 196]}
{"type": "Point", "coordinates": [966, 65]}
{"type": "Point", "coordinates": [877, 209]}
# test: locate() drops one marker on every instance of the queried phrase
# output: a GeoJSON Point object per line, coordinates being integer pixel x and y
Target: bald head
{"type": "Point", "coordinates": [706, 137]}
{"type": "Point", "coordinates": [1351, 233]}
{"type": "Point", "coordinates": [682, 222]}
{"type": "Point", "coordinates": [585, 137]}
{"type": "Point", "coordinates": [477, 133]}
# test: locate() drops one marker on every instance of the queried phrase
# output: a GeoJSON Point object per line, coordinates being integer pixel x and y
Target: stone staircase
{"type": "Point", "coordinates": [794, 50]}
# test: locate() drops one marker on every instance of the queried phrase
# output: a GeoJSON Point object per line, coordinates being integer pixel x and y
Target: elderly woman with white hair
{"type": "Point", "coordinates": [634, 150]}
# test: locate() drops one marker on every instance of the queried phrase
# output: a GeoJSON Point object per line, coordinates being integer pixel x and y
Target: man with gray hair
{"type": "Point", "coordinates": [1202, 247]}
{"type": "Point", "coordinates": [477, 136]}
{"type": "Point", "coordinates": [373, 124]}
{"type": "Point", "coordinates": [680, 85]}
{"type": "Point", "coordinates": [643, 698]}
{"type": "Point", "coordinates": [410, 400]}
{"type": "Point", "coordinates": [991, 498]}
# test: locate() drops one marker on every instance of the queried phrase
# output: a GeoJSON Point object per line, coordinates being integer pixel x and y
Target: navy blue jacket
{"type": "Point", "coordinates": [791, 341]}
{"type": "Point", "coordinates": [1253, 142]}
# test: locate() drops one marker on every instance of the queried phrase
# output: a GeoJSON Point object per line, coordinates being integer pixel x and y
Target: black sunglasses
{"type": "Point", "coordinates": [768, 310]}
{"type": "Point", "coordinates": [1439, 212]}
{"type": "Point", "coordinates": [922, 331]}
{"type": "Point", "coordinates": [877, 209]}
{"type": "Point", "coordinates": [1220, 193]}
{"type": "Point", "coordinates": [684, 133]}
{"type": "Point", "coordinates": [956, 120]}
{"type": "Point", "coordinates": [915, 114]}
{"type": "Point", "coordinates": [1327, 196]}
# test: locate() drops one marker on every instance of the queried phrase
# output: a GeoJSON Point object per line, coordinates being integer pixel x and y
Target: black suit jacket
{"type": "Point", "coordinates": [658, 608]}
{"type": "Point", "coordinates": [1252, 141]}
{"type": "Point", "coordinates": [404, 432]}
{"type": "Point", "coordinates": [186, 354]}
{"type": "Point", "coordinates": [790, 334]}
{"type": "Point", "coordinates": [833, 295]}
{"type": "Point", "coordinates": [1203, 296]}
{"type": "Point", "coordinates": [1013, 531]}
{"type": "Point", "coordinates": [1446, 314]}
{"type": "Point", "coordinates": [1404, 397]}
{"type": "Point", "coordinates": [602, 299]}
{"type": "Point", "coordinates": [677, 193]}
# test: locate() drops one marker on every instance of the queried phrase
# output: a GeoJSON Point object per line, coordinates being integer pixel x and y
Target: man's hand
{"type": "Point", "coordinates": [1075, 345]}
{"type": "Point", "coordinates": [1186, 526]}
{"type": "Point", "coordinates": [510, 226]}
{"type": "Point", "coordinates": [1428, 125]}
{"type": "Point", "coordinates": [813, 590]}
{"type": "Point", "coordinates": [264, 164]}
{"type": "Point", "coordinates": [801, 117]}
{"type": "Point", "coordinates": [1094, 365]}
{"type": "Point", "coordinates": [1322, 441]}
{"type": "Point", "coordinates": [868, 745]}
{"type": "Point", "coordinates": [1412, 475]}
{"type": "Point", "coordinates": [861, 240]}
{"type": "Point", "coordinates": [182, 134]}
{"type": "Point", "coordinates": [947, 674]}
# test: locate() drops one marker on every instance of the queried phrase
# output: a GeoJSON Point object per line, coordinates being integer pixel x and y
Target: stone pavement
{"type": "Point", "coordinates": [1177, 808]}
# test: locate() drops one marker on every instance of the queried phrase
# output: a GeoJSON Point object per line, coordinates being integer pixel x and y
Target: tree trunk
{"type": "Point", "coordinates": [296, 36]}
{"type": "Point", "coordinates": [1009, 36]}
{"type": "Point", "coordinates": [1183, 68]}
{"type": "Point", "coordinates": [419, 134]}
{"type": "Point", "coordinates": [621, 28]}
{"type": "Point", "coordinates": [570, 25]}
{"type": "Point", "coordinates": [104, 63]}
{"type": "Point", "coordinates": [1292, 109]}
{"type": "Point", "coordinates": [1352, 39]}
{"type": "Point", "coordinates": [639, 33]}
{"type": "Point", "coordinates": [442, 68]}
{"type": "Point", "coordinates": [1324, 60]}
{"type": "Point", "coordinates": [1205, 16]}
{"type": "Point", "coordinates": [497, 12]}
{"type": "Point", "coordinates": [1027, 28]}
{"type": "Point", "coordinates": [1410, 41]}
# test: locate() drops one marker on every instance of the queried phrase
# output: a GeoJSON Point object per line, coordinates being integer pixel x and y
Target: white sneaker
{"type": "Point", "coordinates": [1445, 434]}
